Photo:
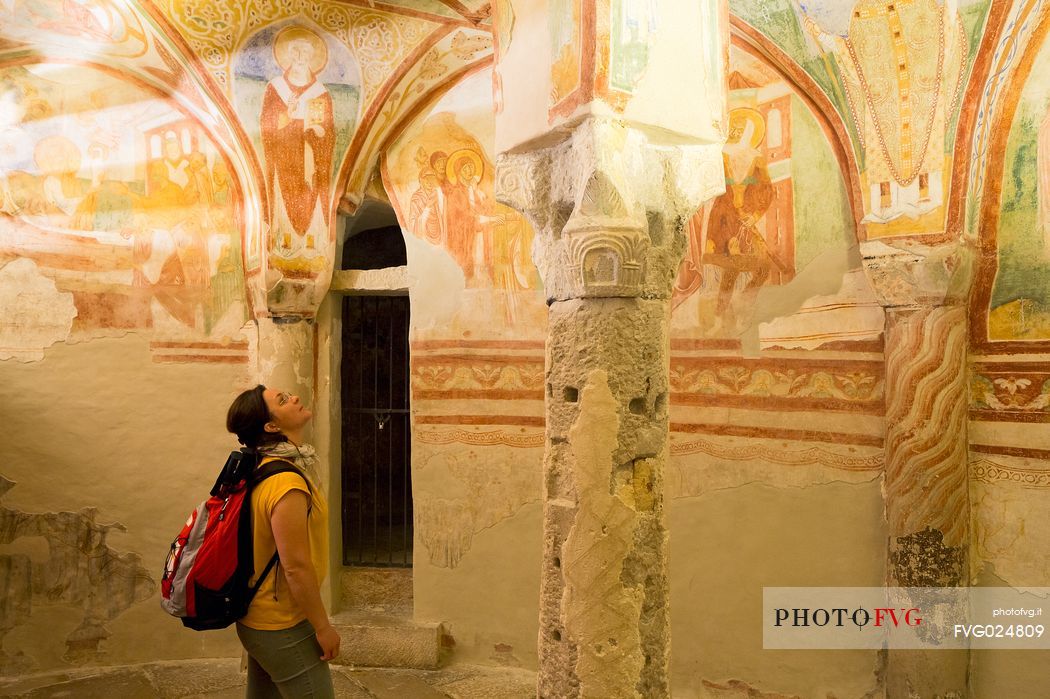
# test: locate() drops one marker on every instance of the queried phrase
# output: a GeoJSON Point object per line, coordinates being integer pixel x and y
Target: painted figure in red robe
{"type": "Point", "coordinates": [730, 239]}
{"type": "Point", "coordinates": [298, 135]}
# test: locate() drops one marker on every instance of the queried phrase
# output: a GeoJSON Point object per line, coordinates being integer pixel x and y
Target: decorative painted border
{"type": "Point", "coordinates": [1010, 391]}
{"type": "Point", "coordinates": [985, 471]}
{"type": "Point", "coordinates": [780, 455]}
{"type": "Point", "coordinates": [784, 434]}
{"type": "Point", "coordinates": [487, 438]}
{"type": "Point", "coordinates": [764, 384]}
{"type": "Point", "coordinates": [999, 47]}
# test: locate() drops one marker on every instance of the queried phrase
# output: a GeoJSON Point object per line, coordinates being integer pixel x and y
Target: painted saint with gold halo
{"type": "Point", "coordinates": [730, 238]}
{"type": "Point", "coordinates": [466, 202]}
{"type": "Point", "coordinates": [298, 136]}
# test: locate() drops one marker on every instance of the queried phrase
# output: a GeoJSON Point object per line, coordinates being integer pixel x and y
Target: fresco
{"type": "Point", "coordinates": [767, 226]}
{"type": "Point", "coordinates": [96, 26]}
{"type": "Point", "coordinates": [901, 65]}
{"type": "Point", "coordinates": [502, 34]}
{"type": "Point", "coordinates": [122, 200]}
{"type": "Point", "coordinates": [1020, 309]}
{"type": "Point", "coordinates": [441, 178]}
{"type": "Point", "coordinates": [564, 19]}
{"type": "Point", "coordinates": [895, 72]}
{"type": "Point", "coordinates": [297, 92]}
{"type": "Point", "coordinates": [633, 26]}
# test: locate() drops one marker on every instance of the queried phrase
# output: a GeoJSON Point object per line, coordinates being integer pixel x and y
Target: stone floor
{"type": "Point", "coordinates": [222, 679]}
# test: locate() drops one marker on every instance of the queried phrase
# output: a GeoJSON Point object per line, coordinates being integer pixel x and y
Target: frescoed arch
{"type": "Point", "coordinates": [1009, 312]}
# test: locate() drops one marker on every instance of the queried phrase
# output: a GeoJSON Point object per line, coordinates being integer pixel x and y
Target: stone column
{"type": "Point", "coordinates": [608, 141]}
{"type": "Point", "coordinates": [924, 292]}
{"type": "Point", "coordinates": [285, 355]}
{"type": "Point", "coordinates": [609, 206]}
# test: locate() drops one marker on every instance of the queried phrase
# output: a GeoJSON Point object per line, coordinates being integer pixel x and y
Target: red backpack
{"type": "Point", "coordinates": [205, 580]}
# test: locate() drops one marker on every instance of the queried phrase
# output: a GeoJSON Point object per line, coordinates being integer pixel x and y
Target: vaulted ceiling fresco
{"type": "Point", "coordinates": [381, 64]}
{"type": "Point", "coordinates": [298, 97]}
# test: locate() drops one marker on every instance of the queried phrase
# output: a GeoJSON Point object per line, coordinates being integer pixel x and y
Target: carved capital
{"type": "Point", "coordinates": [906, 274]}
{"type": "Point", "coordinates": [609, 204]}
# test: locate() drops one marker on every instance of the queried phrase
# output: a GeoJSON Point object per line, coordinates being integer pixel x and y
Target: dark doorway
{"type": "Point", "coordinates": [377, 475]}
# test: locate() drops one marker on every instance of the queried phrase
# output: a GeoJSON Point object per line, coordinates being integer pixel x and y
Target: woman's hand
{"type": "Point", "coordinates": [329, 639]}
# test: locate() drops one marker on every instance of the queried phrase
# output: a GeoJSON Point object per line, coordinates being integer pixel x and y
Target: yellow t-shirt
{"type": "Point", "coordinates": [274, 607]}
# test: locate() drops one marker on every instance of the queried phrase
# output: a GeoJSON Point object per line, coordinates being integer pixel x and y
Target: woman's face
{"type": "Point", "coordinates": [286, 410]}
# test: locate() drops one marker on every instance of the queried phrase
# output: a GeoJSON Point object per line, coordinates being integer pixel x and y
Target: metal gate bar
{"type": "Point", "coordinates": [377, 503]}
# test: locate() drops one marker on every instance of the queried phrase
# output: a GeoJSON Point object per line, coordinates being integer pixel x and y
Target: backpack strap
{"type": "Point", "coordinates": [272, 467]}
{"type": "Point", "coordinates": [261, 473]}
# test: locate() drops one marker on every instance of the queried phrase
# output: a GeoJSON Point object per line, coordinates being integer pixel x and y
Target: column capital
{"type": "Point", "coordinates": [609, 203]}
{"type": "Point", "coordinates": [908, 274]}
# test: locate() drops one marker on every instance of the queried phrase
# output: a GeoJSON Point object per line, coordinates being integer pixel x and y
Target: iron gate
{"type": "Point", "coordinates": [377, 478]}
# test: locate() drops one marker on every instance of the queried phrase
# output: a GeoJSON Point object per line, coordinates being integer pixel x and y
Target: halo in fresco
{"type": "Point", "coordinates": [440, 178]}
{"type": "Point", "coordinates": [297, 91]}
{"type": "Point", "coordinates": [287, 36]}
{"type": "Point", "coordinates": [783, 208]}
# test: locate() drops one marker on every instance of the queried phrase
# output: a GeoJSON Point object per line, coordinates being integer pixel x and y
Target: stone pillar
{"type": "Point", "coordinates": [285, 355]}
{"type": "Point", "coordinates": [924, 292]}
{"type": "Point", "coordinates": [608, 141]}
{"type": "Point", "coordinates": [609, 206]}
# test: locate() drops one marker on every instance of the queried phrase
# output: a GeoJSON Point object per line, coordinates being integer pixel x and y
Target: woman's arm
{"type": "Point", "coordinates": [288, 521]}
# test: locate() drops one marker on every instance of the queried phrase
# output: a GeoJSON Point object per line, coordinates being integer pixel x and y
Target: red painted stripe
{"type": "Point", "coordinates": [477, 394]}
{"type": "Point", "coordinates": [778, 433]}
{"type": "Point", "coordinates": [523, 420]}
{"type": "Point", "coordinates": [1011, 451]}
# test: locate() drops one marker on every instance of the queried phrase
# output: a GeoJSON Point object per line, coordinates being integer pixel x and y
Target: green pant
{"type": "Point", "coordinates": [285, 664]}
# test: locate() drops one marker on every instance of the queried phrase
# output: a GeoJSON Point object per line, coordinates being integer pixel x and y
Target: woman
{"type": "Point", "coordinates": [286, 632]}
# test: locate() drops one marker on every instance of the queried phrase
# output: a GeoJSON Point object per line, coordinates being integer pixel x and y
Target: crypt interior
{"type": "Point", "coordinates": [611, 313]}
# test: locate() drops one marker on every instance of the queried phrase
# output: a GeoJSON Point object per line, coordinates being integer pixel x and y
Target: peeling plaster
{"type": "Point", "coordinates": [922, 559]}
{"type": "Point", "coordinates": [436, 284]}
{"type": "Point", "coordinates": [285, 356]}
{"type": "Point", "coordinates": [739, 689]}
{"type": "Point", "coordinates": [456, 498]}
{"type": "Point", "coordinates": [81, 570]}
{"type": "Point", "coordinates": [825, 275]}
{"type": "Point", "coordinates": [34, 314]}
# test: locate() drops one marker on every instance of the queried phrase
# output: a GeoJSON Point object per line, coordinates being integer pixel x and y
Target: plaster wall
{"type": "Point", "coordinates": [104, 434]}
{"type": "Point", "coordinates": [117, 368]}
{"type": "Point", "coordinates": [727, 543]}
{"type": "Point", "coordinates": [1010, 511]}
{"type": "Point", "coordinates": [655, 65]}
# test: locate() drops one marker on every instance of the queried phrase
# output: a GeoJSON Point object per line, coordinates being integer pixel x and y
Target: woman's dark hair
{"type": "Point", "coordinates": [247, 418]}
